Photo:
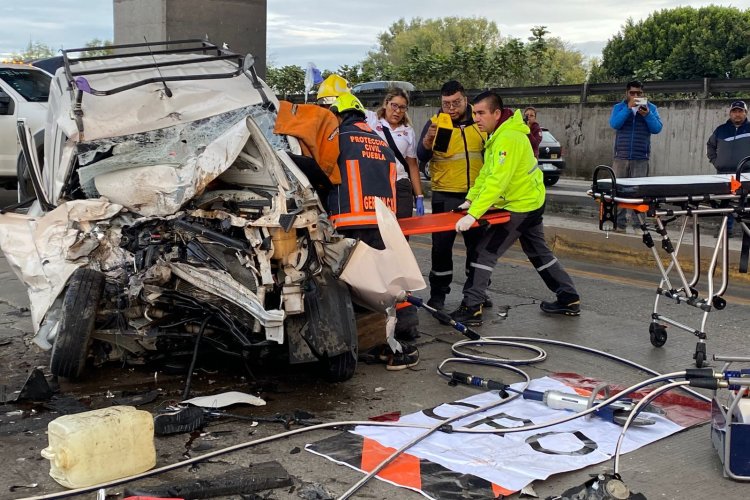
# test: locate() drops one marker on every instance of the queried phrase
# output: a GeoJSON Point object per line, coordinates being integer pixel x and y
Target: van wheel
{"type": "Point", "coordinates": [80, 303]}
{"type": "Point", "coordinates": [341, 367]}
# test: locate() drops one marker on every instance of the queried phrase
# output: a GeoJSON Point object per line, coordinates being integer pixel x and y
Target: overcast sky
{"type": "Point", "coordinates": [305, 30]}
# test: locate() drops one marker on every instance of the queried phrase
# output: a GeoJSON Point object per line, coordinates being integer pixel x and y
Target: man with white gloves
{"type": "Point", "coordinates": [510, 180]}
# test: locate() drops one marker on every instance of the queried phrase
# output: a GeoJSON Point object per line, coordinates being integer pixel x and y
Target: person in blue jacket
{"type": "Point", "coordinates": [635, 120]}
{"type": "Point", "coordinates": [729, 144]}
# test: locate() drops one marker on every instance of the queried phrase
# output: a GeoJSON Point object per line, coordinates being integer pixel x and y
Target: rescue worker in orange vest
{"type": "Point", "coordinates": [368, 171]}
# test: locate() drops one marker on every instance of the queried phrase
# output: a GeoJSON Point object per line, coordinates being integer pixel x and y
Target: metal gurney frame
{"type": "Point", "coordinates": [730, 200]}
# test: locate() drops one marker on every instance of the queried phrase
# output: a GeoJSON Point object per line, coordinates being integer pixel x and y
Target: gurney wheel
{"type": "Point", "coordinates": [700, 354]}
{"type": "Point", "coordinates": [658, 334]}
{"type": "Point", "coordinates": [719, 303]}
{"type": "Point", "coordinates": [700, 358]}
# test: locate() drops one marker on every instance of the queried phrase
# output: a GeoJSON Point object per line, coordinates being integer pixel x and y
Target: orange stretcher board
{"type": "Point", "coordinates": [446, 221]}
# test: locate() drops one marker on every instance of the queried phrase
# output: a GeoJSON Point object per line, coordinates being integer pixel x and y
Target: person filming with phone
{"type": "Point", "coordinates": [635, 119]}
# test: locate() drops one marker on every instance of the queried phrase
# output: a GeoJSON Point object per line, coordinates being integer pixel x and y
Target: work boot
{"type": "Point", "coordinates": [408, 357]}
{"type": "Point", "coordinates": [571, 309]}
{"type": "Point", "coordinates": [468, 315]}
{"type": "Point", "coordinates": [437, 302]}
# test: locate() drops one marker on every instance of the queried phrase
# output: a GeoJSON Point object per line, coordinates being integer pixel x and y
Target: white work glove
{"type": "Point", "coordinates": [463, 206]}
{"type": "Point", "coordinates": [465, 223]}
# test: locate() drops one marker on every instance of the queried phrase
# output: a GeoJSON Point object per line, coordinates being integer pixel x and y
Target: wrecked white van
{"type": "Point", "coordinates": [169, 215]}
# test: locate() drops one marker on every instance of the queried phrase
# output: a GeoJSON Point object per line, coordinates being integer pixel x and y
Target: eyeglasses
{"type": "Point", "coordinates": [453, 104]}
{"type": "Point", "coordinates": [635, 92]}
{"type": "Point", "coordinates": [398, 107]}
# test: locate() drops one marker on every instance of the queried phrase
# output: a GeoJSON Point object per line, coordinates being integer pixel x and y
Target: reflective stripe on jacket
{"type": "Point", "coordinates": [510, 178]}
{"type": "Point", "coordinates": [368, 171]}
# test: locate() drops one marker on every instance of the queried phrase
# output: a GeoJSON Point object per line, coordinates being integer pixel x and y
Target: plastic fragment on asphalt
{"type": "Point", "coordinates": [226, 399]}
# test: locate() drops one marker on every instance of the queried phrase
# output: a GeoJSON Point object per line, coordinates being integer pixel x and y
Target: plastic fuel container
{"type": "Point", "coordinates": [100, 445]}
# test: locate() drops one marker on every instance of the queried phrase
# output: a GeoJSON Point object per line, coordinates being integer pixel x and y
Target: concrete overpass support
{"type": "Point", "coordinates": [241, 24]}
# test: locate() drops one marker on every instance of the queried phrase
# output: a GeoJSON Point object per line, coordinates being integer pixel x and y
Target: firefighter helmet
{"type": "Point", "coordinates": [331, 88]}
{"type": "Point", "coordinates": [347, 102]}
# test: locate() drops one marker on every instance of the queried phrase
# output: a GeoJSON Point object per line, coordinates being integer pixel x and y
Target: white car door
{"type": "Point", "coordinates": [8, 139]}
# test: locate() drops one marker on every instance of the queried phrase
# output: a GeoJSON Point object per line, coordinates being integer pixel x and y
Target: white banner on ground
{"type": "Point", "coordinates": [514, 460]}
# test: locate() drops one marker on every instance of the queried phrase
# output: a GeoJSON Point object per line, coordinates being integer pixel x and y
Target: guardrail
{"type": "Point", "coordinates": [702, 88]}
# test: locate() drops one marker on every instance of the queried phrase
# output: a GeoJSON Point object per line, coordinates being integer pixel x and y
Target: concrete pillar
{"type": "Point", "coordinates": [241, 24]}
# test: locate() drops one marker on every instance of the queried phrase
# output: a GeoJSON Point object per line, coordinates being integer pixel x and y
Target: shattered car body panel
{"type": "Point", "coordinates": [177, 196]}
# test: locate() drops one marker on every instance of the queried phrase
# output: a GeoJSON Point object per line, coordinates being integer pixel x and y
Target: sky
{"type": "Point", "coordinates": [331, 34]}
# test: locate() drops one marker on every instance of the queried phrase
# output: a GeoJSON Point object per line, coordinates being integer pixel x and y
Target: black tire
{"type": "Point", "coordinates": [551, 181]}
{"type": "Point", "coordinates": [700, 359]}
{"type": "Point", "coordinates": [341, 367]}
{"type": "Point", "coordinates": [657, 334]}
{"type": "Point", "coordinates": [80, 303]}
{"type": "Point", "coordinates": [331, 331]}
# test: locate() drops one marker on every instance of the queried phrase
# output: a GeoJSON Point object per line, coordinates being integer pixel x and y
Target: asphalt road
{"type": "Point", "coordinates": [617, 302]}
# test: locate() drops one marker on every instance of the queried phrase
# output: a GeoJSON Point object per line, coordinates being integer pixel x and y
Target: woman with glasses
{"type": "Point", "coordinates": [391, 122]}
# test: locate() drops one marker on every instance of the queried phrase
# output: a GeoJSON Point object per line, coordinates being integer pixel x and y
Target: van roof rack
{"type": "Point", "coordinates": [203, 50]}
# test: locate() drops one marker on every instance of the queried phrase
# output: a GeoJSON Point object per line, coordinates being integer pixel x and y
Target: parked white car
{"type": "Point", "coordinates": [169, 215]}
{"type": "Point", "coordinates": [23, 94]}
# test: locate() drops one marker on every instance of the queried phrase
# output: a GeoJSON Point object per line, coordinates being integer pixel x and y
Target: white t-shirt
{"type": "Point", "coordinates": [403, 136]}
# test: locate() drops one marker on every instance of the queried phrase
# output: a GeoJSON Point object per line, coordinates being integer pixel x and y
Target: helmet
{"type": "Point", "coordinates": [331, 88]}
{"type": "Point", "coordinates": [347, 102]}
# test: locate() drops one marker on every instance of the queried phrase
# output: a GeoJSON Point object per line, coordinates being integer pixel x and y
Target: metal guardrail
{"type": "Point", "coordinates": [703, 87]}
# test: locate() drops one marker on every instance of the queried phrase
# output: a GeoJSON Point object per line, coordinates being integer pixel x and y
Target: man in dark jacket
{"type": "Point", "coordinates": [452, 173]}
{"type": "Point", "coordinates": [368, 171]}
{"type": "Point", "coordinates": [634, 119]}
{"type": "Point", "coordinates": [729, 144]}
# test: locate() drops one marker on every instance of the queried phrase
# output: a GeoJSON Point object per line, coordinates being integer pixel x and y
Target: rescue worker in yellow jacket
{"type": "Point", "coordinates": [452, 173]}
{"type": "Point", "coordinates": [510, 180]}
{"type": "Point", "coordinates": [368, 171]}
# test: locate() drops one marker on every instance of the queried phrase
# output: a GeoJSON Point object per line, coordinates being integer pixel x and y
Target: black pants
{"type": "Point", "coordinates": [404, 199]}
{"type": "Point", "coordinates": [441, 273]}
{"type": "Point", "coordinates": [496, 240]}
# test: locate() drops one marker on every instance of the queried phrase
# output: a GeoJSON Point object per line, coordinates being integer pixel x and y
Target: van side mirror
{"type": "Point", "coordinates": [7, 104]}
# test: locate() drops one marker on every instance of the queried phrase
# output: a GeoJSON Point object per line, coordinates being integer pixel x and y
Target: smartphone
{"type": "Point", "coordinates": [641, 101]}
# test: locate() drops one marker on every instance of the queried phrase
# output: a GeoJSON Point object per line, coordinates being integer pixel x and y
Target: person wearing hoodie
{"type": "Point", "coordinates": [509, 180]}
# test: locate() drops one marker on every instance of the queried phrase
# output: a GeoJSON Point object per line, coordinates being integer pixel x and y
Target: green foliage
{"type": "Point", "coordinates": [680, 43]}
{"type": "Point", "coordinates": [34, 50]}
{"type": "Point", "coordinates": [103, 50]}
{"type": "Point", "coordinates": [286, 79]}
{"type": "Point", "coordinates": [430, 52]}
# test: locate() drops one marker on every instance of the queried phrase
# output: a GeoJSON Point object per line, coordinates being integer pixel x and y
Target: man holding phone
{"type": "Point", "coordinates": [635, 120]}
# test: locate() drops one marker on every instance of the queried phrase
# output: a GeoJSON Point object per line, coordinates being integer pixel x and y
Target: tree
{"type": "Point", "coordinates": [679, 43]}
{"type": "Point", "coordinates": [430, 52]}
{"type": "Point", "coordinates": [286, 79]}
{"type": "Point", "coordinates": [103, 50]}
{"type": "Point", "coordinates": [34, 50]}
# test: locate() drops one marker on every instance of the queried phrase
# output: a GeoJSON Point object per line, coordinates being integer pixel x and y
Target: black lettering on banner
{"type": "Point", "coordinates": [430, 412]}
{"type": "Point", "coordinates": [588, 445]}
{"type": "Point", "coordinates": [491, 421]}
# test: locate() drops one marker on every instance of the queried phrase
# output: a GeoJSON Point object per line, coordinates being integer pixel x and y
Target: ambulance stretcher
{"type": "Point", "coordinates": [660, 201]}
{"type": "Point", "coordinates": [446, 221]}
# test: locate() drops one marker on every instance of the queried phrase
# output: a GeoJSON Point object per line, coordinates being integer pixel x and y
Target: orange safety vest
{"type": "Point", "coordinates": [368, 171]}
